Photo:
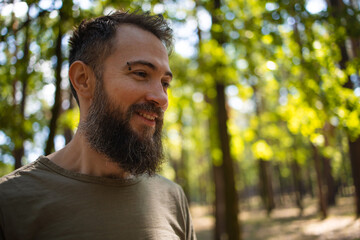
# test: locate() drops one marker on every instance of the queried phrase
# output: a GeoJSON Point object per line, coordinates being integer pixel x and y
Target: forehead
{"type": "Point", "coordinates": [132, 42]}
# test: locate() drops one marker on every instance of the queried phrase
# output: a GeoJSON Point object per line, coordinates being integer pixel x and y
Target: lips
{"type": "Point", "coordinates": [147, 116]}
{"type": "Point", "coordinates": [149, 112]}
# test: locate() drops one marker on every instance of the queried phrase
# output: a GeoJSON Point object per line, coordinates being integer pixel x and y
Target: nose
{"type": "Point", "coordinates": [158, 95]}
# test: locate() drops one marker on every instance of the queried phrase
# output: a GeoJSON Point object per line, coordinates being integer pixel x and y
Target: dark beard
{"type": "Point", "coordinates": [108, 131]}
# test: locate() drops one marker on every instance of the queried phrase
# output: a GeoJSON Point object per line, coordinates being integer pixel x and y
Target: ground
{"type": "Point", "coordinates": [286, 224]}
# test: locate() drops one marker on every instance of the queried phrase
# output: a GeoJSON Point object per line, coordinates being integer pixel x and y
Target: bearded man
{"type": "Point", "coordinates": [103, 184]}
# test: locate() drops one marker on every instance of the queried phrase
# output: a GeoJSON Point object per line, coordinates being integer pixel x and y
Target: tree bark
{"type": "Point", "coordinates": [329, 179]}
{"type": "Point", "coordinates": [265, 176]}
{"type": "Point", "coordinates": [355, 163]}
{"type": "Point", "coordinates": [296, 175]}
{"type": "Point", "coordinates": [336, 7]}
{"type": "Point", "coordinates": [330, 182]}
{"type": "Point", "coordinates": [309, 182]}
{"type": "Point", "coordinates": [231, 199]}
{"type": "Point", "coordinates": [181, 171]}
{"type": "Point", "coordinates": [56, 109]}
{"type": "Point", "coordinates": [226, 212]}
{"type": "Point", "coordinates": [321, 190]}
{"type": "Point", "coordinates": [220, 204]}
{"type": "Point", "coordinates": [18, 152]}
{"type": "Point", "coordinates": [282, 185]}
{"type": "Point", "coordinates": [266, 189]}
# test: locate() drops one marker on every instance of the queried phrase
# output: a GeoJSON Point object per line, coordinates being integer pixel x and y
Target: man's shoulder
{"type": "Point", "coordinates": [159, 179]}
{"type": "Point", "coordinates": [164, 184]}
{"type": "Point", "coordinates": [17, 173]}
{"type": "Point", "coordinates": [23, 176]}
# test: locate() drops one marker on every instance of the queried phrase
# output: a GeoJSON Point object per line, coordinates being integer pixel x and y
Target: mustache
{"type": "Point", "coordinates": [148, 107]}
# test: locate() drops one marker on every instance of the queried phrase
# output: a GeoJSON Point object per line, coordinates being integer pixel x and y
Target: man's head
{"type": "Point", "coordinates": [121, 81]}
{"type": "Point", "coordinates": [92, 40]}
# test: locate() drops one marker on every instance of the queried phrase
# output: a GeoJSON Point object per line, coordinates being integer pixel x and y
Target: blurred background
{"type": "Point", "coordinates": [263, 128]}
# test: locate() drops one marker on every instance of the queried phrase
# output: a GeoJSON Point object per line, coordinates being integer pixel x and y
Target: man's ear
{"type": "Point", "coordinates": [83, 79]}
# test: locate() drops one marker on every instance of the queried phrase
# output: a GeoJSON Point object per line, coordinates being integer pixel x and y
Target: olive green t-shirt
{"type": "Point", "coordinates": [44, 201]}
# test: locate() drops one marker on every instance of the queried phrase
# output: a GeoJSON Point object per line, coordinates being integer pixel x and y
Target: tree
{"type": "Point", "coordinates": [343, 17]}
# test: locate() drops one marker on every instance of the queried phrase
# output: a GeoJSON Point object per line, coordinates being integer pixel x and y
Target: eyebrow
{"type": "Point", "coordinates": [145, 63]}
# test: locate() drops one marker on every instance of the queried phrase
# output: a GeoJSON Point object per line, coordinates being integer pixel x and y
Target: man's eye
{"type": "Point", "coordinates": [166, 85]}
{"type": "Point", "coordinates": [141, 74]}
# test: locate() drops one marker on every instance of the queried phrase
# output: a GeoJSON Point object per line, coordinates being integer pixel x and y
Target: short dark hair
{"type": "Point", "coordinates": [91, 41]}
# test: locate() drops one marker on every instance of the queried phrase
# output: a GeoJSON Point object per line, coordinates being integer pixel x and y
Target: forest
{"type": "Point", "coordinates": [264, 107]}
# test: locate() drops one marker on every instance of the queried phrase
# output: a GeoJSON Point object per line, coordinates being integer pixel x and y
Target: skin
{"type": "Point", "coordinates": [136, 72]}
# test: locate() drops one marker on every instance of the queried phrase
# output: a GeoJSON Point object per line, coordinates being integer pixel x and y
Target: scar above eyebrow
{"type": "Point", "coordinates": [129, 66]}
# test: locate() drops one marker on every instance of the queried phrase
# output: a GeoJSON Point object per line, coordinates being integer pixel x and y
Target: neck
{"type": "Point", "coordinates": [77, 156]}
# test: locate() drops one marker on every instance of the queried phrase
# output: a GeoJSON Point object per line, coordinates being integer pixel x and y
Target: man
{"type": "Point", "coordinates": [102, 185]}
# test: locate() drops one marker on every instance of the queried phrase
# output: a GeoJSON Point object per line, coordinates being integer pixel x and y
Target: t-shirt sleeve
{"type": "Point", "coordinates": [189, 228]}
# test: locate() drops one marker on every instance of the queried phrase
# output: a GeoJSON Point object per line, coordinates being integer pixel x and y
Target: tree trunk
{"type": "Point", "coordinates": [56, 109]}
{"type": "Point", "coordinates": [182, 169]}
{"type": "Point", "coordinates": [309, 182]}
{"type": "Point", "coordinates": [231, 198]}
{"type": "Point", "coordinates": [182, 166]}
{"type": "Point", "coordinates": [296, 175]}
{"type": "Point", "coordinates": [266, 189]}
{"type": "Point", "coordinates": [282, 185]}
{"type": "Point", "coordinates": [18, 153]}
{"type": "Point", "coordinates": [321, 190]}
{"type": "Point", "coordinates": [336, 8]}
{"type": "Point", "coordinates": [355, 163]}
{"type": "Point", "coordinates": [220, 204]}
{"type": "Point", "coordinates": [265, 177]}
{"type": "Point", "coordinates": [226, 213]}
{"type": "Point", "coordinates": [330, 182]}
{"type": "Point", "coordinates": [329, 179]}
{"type": "Point", "coordinates": [22, 64]}
{"type": "Point", "coordinates": [220, 230]}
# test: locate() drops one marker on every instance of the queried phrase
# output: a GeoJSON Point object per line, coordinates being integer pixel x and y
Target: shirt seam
{"type": "Point", "coordinates": [86, 178]}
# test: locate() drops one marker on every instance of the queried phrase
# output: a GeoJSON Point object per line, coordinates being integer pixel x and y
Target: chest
{"type": "Point", "coordinates": [93, 213]}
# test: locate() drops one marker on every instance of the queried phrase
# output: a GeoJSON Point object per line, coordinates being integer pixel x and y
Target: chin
{"type": "Point", "coordinates": [144, 131]}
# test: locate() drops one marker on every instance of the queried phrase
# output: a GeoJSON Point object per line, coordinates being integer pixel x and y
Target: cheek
{"type": "Point", "coordinates": [126, 95]}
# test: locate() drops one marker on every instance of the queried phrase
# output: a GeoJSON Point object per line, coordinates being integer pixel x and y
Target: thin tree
{"type": "Point", "coordinates": [337, 10]}
{"type": "Point", "coordinates": [227, 204]}
{"type": "Point", "coordinates": [22, 77]}
{"type": "Point", "coordinates": [56, 109]}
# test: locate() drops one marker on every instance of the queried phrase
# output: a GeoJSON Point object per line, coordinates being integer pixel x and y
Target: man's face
{"type": "Point", "coordinates": [138, 72]}
{"type": "Point", "coordinates": [125, 117]}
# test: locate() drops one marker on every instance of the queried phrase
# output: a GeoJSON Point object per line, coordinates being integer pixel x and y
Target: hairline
{"type": "Point", "coordinates": [98, 70]}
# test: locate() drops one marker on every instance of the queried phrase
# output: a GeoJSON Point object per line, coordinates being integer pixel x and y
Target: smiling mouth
{"type": "Point", "coordinates": [147, 116]}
